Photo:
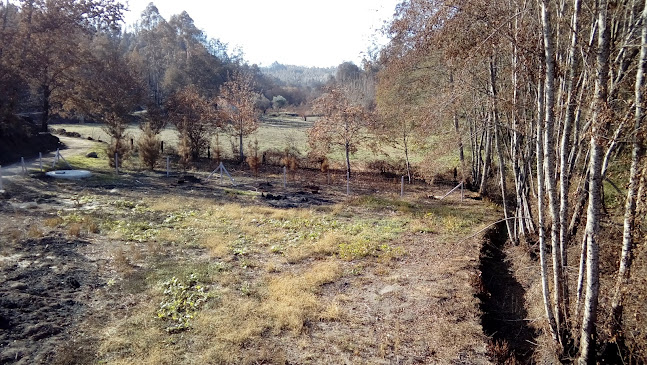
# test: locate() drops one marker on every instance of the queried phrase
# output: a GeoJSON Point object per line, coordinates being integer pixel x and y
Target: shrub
{"type": "Point", "coordinates": [148, 143]}
{"type": "Point", "coordinates": [253, 160]}
{"type": "Point", "coordinates": [117, 147]}
{"type": "Point", "coordinates": [184, 151]}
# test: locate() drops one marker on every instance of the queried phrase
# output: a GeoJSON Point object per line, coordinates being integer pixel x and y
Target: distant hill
{"type": "Point", "coordinates": [299, 75]}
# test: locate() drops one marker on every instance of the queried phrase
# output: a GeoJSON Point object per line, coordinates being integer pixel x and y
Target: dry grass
{"type": "Point", "coordinates": [302, 285]}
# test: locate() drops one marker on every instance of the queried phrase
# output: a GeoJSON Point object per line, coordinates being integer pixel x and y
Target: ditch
{"type": "Point", "coordinates": [503, 308]}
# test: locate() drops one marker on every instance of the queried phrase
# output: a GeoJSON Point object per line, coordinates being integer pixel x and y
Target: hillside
{"type": "Point", "coordinates": [299, 75]}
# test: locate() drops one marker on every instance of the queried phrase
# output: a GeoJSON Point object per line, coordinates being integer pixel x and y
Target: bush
{"type": "Point", "coordinates": [184, 151]}
{"type": "Point", "coordinates": [148, 143]}
{"type": "Point", "coordinates": [119, 148]}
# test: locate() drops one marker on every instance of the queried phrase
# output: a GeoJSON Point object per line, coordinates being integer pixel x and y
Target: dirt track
{"type": "Point", "coordinates": [73, 147]}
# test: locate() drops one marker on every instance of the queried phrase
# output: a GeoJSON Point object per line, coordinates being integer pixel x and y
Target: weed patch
{"type": "Point", "coordinates": [182, 299]}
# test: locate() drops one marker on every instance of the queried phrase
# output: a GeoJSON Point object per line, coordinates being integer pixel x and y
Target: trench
{"type": "Point", "coordinates": [503, 307]}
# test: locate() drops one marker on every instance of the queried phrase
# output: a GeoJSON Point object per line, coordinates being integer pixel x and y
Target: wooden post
{"type": "Point", "coordinates": [55, 158]}
{"type": "Point", "coordinates": [162, 146]}
{"type": "Point", "coordinates": [285, 178]}
{"type": "Point", "coordinates": [117, 163]}
{"type": "Point", "coordinates": [23, 168]}
{"type": "Point", "coordinates": [402, 186]}
{"type": "Point", "coordinates": [168, 163]}
{"type": "Point", "coordinates": [40, 161]}
{"type": "Point", "coordinates": [462, 188]}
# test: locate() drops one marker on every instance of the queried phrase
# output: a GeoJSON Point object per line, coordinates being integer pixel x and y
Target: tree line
{"type": "Point", "coordinates": [539, 98]}
{"type": "Point", "coordinates": [76, 60]}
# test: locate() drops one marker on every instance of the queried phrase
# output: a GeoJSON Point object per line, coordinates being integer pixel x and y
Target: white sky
{"type": "Point", "coordinates": [296, 32]}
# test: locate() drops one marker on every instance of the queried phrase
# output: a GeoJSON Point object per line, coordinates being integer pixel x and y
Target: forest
{"type": "Point", "coordinates": [538, 106]}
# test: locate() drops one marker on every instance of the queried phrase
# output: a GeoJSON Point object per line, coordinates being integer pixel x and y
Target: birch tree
{"type": "Point", "coordinates": [598, 133]}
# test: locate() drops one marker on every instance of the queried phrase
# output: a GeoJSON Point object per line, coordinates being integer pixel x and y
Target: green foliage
{"type": "Point", "coordinates": [182, 299]}
{"type": "Point", "coordinates": [132, 230]}
{"type": "Point", "coordinates": [279, 102]}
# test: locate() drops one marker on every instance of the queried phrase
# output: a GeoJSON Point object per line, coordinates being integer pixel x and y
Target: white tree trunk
{"type": "Point", "coordinates": [598, 135]}
{"type": "Point", "coordinates": [540, 213]}
{"type": "Point", "coordinates": [549, 164]}
{"type": "Point", "coordinates": [630, 204]}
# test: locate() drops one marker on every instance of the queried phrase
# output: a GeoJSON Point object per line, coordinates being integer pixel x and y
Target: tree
{"type": "Point", "coordinates": [195, 119]}
{"type": "Point", "coordinates": [106, 90]}
{"type": "Point", "coordinates": [343, 124]}
{"type": "Point", "coordinates": [51, 34]}
{"type": "Point", "coordinates": [278, 102]}
{"type": "Point", "coordinates": [238, 100]}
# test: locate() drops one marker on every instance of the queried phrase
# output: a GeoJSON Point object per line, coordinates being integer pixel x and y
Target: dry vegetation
{"type": "Point", "coordinates": [204, 274]}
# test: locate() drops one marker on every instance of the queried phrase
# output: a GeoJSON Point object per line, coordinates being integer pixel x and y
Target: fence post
{"type": "Point", "coordinates": [285, 177]}
{"type": "Point", "coordinates": [116, 163]}
{"type": "Point", "coordinates": [402, 186]}
{"type": "Point", "coordinates": [55, 158]}
{"type": "Point", "coordinates": [40, 161]}
{"type": "Point", "coordinates": [23, 168]}
{"type": "Point", "coordinates": [462, 187]}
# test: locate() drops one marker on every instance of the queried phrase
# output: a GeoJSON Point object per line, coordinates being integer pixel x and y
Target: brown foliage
{"type": "Point", "coordinates": [194, 117]}
{"type": "Point", "coordinates": [149, 151]}
{"type": "Point", "coordinates": [238, 100]}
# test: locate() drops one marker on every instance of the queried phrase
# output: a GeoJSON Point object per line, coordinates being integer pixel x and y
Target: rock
{"type": "Point", "coordinates": [388, 289]}
{"type": "Point", "coordinates": [28, 205]}
{"type": "Point", "coordinates": [92, 155]}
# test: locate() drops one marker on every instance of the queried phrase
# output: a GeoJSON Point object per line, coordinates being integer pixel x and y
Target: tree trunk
{"type": "Point", "coordinates": [499, 150]}
{"type": "Point", "coordinates": [485, 171]}
{"type": "Point", "coordinates": [549, 166]}
{"type": "Point", "coordinates": [45, 116]}
{"type": "Point", "coordinates": [240, 141]}
{"type": "Point", "coordinates": [598, 135]}
{"type": "Point", "coordinates": [347, 150]}
{"type": "Point", "coordinates": [540, 213]}
{"type": "Point", "coordinates": [406, 156]}
{"type": "Point", "coordinates": [630, 204]}
{"type": "Point", "coordinates": [564, 172]}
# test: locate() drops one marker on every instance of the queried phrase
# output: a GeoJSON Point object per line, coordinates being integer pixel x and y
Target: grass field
{"type": "Point", "coordinates": [278, 133]}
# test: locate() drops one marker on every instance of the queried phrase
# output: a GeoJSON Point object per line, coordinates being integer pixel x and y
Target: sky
{"type": "Point", "coordinates": [319, 33]}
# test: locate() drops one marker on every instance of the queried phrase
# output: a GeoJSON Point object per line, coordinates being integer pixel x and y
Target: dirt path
{"type": "Point", "coordinates": [73, 147]}
{"type": "Point", "coordinates": [423, 311]}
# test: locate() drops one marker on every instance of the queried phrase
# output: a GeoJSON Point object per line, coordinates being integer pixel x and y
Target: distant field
{"type": "Point", "coordinates": [279, 133]}
{"type": "Point", "coordinates": [273, 133]}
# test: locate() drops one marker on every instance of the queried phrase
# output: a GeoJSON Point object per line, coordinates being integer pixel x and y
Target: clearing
{"type": "Point", "coordinates": [148, 269]}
